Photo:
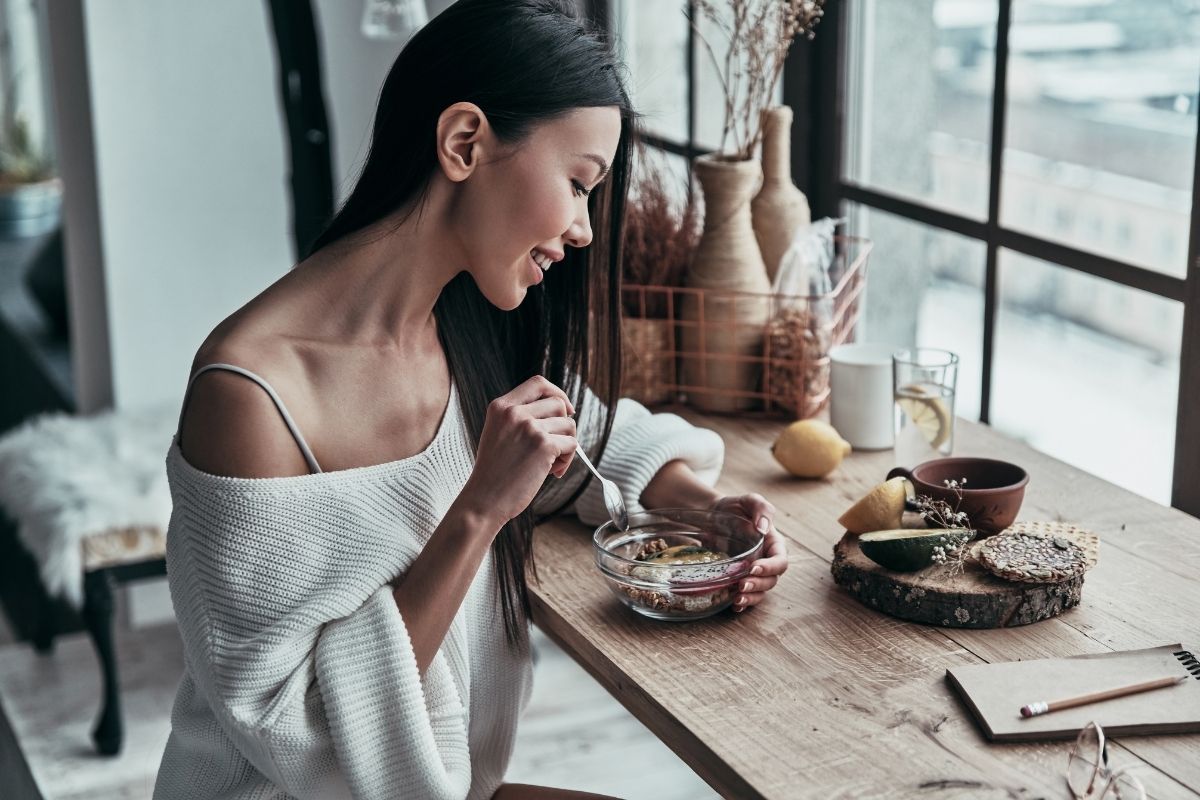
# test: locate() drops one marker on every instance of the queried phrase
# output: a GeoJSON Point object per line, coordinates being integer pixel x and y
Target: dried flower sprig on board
{"type": "Point", "coordinates": [939, 513]}
{"type": "Point", "coordinates": [758, 35]}
{"type": "Point", "coordinates": [953, 552]}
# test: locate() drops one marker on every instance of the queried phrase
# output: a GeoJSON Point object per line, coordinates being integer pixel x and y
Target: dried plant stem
{"type": "Point", "coordinates": [659, 239]}
{"type": "Point", "coordinates": [725, 90]}
{"type": "Point", "coordinates": [758, 34]}
{"type": "Point", "coordinates": [940, 514]}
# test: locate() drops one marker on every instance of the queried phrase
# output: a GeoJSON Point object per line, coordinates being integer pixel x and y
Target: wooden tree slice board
{"type": "Point", "coordinates": [973, 598]}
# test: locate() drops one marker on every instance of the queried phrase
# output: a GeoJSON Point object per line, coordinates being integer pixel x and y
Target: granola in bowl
{"type": "Point", "coordinates": [677, 564]}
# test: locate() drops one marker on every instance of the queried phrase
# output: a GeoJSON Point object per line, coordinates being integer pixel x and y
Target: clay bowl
{"type": "Point", "coordinates": [991, 497]}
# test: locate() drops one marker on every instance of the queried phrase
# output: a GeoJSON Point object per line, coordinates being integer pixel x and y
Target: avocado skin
{"type": "Point", "coordinates": [911, 553]}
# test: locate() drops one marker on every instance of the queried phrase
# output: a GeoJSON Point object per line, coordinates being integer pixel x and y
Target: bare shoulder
{"type": "Point", "coordinates": [231, 426]}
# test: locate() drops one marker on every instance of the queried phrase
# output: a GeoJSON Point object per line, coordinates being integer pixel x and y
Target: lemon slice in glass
{"type": "Point", "coordinates": [927, 412]}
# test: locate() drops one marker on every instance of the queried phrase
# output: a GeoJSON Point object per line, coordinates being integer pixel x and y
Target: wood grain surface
{"type": "Point", "coordinates": [813, 694]}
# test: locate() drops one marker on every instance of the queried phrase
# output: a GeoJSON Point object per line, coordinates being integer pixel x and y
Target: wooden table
{"type": "Point", "coordinates": [814, 695]}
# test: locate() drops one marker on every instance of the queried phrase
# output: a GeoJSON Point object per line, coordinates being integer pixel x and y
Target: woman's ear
{"type": "Point", "coordinates": [461, 131]}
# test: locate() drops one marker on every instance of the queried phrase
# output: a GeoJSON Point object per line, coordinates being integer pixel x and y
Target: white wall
{"type": "Point", "coordinates": [191, 176]}
{"type": "Point", "coordinates": [190, 165]}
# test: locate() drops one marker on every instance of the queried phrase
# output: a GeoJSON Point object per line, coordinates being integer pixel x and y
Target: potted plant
{"type": "Point", "coordinates": [30, 194]}
{"type": "Point", "coordinates": [722, 334]}
{"type": "Point", "coordinates": [659, 241]}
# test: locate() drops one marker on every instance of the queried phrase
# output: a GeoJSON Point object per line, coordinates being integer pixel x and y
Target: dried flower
{"type": "Point", "coordinates": [658, 242]}
{"type": "Point", "coordinates": [758, 35]}
{"type": "Point", "coordinates": [939, 513]}
{"type": "Point", "coordinates": [951, 550]}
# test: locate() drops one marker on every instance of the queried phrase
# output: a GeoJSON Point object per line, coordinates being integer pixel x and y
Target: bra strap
{"type": "Point", "coordinates": [283, 412]}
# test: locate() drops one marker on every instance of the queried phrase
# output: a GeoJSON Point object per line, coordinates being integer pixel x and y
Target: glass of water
{"type": "Point", "coordinates": [923, 383]}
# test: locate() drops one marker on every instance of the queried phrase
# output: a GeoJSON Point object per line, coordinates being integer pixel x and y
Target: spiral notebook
{"type": "Point", "coordinates": [995, 693]}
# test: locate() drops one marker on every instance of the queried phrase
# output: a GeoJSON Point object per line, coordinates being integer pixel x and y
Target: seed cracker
{"type": "Point", "coordinates": [1087, 541]}
{"type": "Point", "coordinates": [1032, 557]}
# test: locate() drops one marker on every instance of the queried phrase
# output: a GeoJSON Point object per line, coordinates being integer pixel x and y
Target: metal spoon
{"type": "Point", "coordinates": [612, 495]}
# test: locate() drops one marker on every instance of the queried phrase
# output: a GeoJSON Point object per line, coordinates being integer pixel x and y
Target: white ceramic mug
{"type": "Point", "coordinates": [860, 404]}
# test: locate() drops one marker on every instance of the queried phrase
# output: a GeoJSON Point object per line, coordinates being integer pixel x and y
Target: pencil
{"type": "Point", "coordinates": [1037, 709]}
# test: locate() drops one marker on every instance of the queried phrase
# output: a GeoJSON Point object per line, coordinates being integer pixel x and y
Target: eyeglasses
{"type": "Point", "coordinates": [1088, 775]}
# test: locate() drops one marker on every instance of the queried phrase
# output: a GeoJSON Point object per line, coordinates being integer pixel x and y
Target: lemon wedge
{"type": "Point", "coordinates": [880, 509]}
{"type": "Point", "coordinates": [927, 412]}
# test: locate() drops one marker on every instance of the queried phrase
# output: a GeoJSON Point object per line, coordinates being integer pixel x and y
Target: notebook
{"type": "Point", "coordinates": [995, 693]}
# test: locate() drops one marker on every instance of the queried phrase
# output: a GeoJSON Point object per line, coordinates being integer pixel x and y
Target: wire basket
{"type": "Point", "coordinates": [785, 371]}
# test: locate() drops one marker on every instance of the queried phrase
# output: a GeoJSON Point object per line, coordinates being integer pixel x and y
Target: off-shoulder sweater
{"type": "Point", "coordinates": [300, 677]}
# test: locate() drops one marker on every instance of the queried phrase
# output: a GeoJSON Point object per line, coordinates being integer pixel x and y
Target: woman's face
{"type": "Point", "coordinates": [523, 208]}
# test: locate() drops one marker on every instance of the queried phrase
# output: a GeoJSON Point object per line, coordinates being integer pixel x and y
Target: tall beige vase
{"type": "Point", "coordinates": [779, 209]}
{"type": "Point", "coordinates": [721, 335]}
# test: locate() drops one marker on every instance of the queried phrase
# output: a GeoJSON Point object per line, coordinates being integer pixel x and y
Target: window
{"type": "Point", "coordinates": [1062, 270]}
{"type": "Point", "coordinates": [1088, 371]}
{"type": "Point", "coordinates": [653, 37]}
{"type": "Point", "coordinates": [919, 109]}
{"type": "Point", "coordinates": [674, 83]}
{"type": "Point", "coordinates": [1027, 169]}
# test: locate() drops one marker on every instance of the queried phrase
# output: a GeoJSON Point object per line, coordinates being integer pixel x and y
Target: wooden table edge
{"type": "Point", "coordinates": [685, 744]}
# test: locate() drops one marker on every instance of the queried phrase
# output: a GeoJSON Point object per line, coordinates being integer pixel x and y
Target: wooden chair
{"type": "Point", "coordinates": [111, 558]}
{"type": "Point", "coordinates": [125, 498]}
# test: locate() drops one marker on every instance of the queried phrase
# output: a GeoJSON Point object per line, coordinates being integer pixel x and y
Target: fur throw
{"type": "Point", "coordinates": [64, 478]}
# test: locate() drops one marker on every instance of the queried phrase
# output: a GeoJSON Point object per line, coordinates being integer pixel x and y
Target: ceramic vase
{"type": "Point", "coordinates": [721, 334]}
{"type": "Point", "coordinates": [779, 209]}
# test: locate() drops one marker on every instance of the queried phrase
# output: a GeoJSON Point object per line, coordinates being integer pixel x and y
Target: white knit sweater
{"type": "Point", "coordinates": [300, 676]}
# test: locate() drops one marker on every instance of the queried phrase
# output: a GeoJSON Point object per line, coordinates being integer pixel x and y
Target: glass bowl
{"type": "Point", "coordinates": [677, 591]}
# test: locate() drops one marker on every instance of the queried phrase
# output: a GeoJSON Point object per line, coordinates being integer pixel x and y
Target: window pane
{"type": "Point", "coordinates": [1101, 126]}
{"type": "Point", "coordinates": [653, 38]}
{"type": "Point", "coordinates": [1088, 371]}
{"type": "Point", "coordinates": [672, 170]}
{"type": "Point", "coordinates": [919, 78]}
{"type": "Point", "coordinates": [710, 97]}
{"type": "Point", "coordinates": [925, 287]}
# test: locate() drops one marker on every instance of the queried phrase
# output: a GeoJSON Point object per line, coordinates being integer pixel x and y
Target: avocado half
{"type": "Point", "coordinates": [910, 549]}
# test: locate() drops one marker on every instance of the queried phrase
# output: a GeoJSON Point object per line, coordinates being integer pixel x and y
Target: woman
{"type": "Point", "coordinates": [364, 446]}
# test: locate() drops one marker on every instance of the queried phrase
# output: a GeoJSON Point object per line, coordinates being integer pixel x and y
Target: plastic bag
{"type": "Point", "coordinates": [804, 268]}
{"type": "Point", "coordinates": [800, 331]}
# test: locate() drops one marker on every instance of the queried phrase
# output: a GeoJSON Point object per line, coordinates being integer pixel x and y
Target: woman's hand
{"type": "Point", "coordinates": [527, 435]}
{"type": "Point", "coordinates": [765, 571]}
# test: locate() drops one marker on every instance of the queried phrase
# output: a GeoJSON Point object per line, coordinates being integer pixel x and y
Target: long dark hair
{"type": "Point", "coordinates": [522, 62]}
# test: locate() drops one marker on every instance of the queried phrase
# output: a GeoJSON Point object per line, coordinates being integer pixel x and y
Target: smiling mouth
{"type": "Point", "coordinates": [541, 259]}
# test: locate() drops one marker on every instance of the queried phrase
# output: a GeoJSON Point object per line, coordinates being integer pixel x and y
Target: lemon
{"type": "Point", "coordinates": [810, 448]}
{"type": "Point", "coordinates": [927, 412]}
{"type": "Point", "coordinates": [880, 509]}
{"type": "Point", "coordinates": [910, 549]}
